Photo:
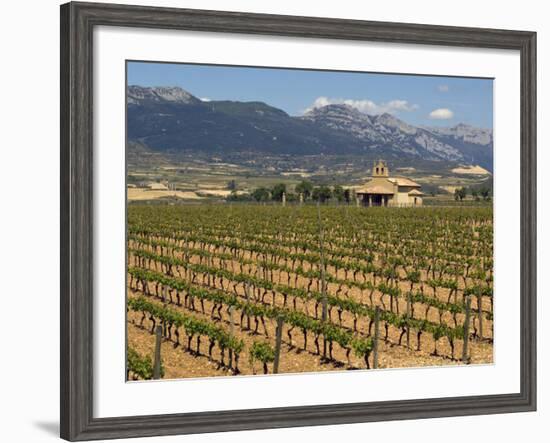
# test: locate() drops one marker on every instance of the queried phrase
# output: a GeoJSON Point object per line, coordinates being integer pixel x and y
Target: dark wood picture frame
{"type": "Point", "coordinates": [77, 23]}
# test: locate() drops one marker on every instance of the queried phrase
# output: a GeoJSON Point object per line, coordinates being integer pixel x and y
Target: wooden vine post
{"type": "Point", "coordinates": [466, 337]}
{"type": "Point", "coordinates": [408, 318]}
{"type": "Point", "coordinates": [323, 283]}
{"type": "Point", "coordinates": [376, 337]}
{"type": "Point", "coordinates": [247, 294]}
{"type": "Point", "coordinates": [480, 312]}
{"type": "Point", "coordinates": [158, 340]}
{"type": "Point", "coordinates": [231, 334]}
{"type": "Point", "coordinates": [278, 339]}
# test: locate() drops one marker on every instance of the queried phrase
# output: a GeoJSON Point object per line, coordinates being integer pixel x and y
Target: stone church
{"type": "Point", "coordinates": [383, 190]}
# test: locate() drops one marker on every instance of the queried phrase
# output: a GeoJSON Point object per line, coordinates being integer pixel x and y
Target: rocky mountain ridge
{"type": "Point", "coordinates": [172, 119]}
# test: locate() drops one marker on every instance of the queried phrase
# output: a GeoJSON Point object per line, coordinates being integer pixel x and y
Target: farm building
{"type": "Point", "coordinates": [383, 190]}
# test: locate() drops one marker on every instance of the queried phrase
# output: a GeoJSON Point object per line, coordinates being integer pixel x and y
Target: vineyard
{"type": "Point", "coordinates": [251, 289]}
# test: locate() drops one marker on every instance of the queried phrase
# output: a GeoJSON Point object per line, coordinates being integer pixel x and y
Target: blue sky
{"type": "Point", "coordinates": [419, 100]}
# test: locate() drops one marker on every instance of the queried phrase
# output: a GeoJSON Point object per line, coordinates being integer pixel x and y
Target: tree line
{"type": "Point", "coordinates": [483, 193]}
{"type": "Point", "coordinates": [306, 189]}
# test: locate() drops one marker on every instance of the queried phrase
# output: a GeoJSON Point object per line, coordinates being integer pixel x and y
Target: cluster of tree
{"type": "Point", "coordinates": [324, 193]}
{"type": "Point", "coordinates": [306, 189]}
{"type": "Point", "coordinates": [477, 194]}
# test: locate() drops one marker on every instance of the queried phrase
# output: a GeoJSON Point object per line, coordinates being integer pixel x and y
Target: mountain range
{"type": "Point", "coordinates": [171, 119]}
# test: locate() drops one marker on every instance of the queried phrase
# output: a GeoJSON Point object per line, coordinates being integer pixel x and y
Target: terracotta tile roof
{"type": "Point", "coordinates": [374, 190]}
{"type": "Point", "coordinates": [403, 181]}
{"type": "Point", "coordinates": [416, 192]}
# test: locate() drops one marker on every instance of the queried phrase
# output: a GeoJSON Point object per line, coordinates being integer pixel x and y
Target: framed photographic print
{"type": "Point", "coordinates": [273, 221]}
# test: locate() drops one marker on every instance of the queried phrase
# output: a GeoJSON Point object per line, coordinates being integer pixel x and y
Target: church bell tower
{"type": "Point", "coordinates": [380, 169]}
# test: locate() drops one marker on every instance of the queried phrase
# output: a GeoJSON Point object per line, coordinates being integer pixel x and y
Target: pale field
{"type": "Point", "coordinates": [474, 170]}
{"type": "Point", "coordinates": [406, 169]}
{"type": "Point", "coordinates": [141, 194]}
{"type": "Point", "coordinates": [299, 174]}
{"type": "Point", "coordinates": [450, 189]}
{"type": "Point", "coordinates": [215, 192]}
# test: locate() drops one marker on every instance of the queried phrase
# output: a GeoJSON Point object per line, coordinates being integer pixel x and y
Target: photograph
{"type": "Point", "coordinates": [284, 220]}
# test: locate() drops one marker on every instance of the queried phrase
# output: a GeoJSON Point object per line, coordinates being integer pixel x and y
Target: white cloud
{"type": "Point", "coordinates": [443, 88]}
{"type": "Point", "coordinates": [365, 105]}
{"type": "Point", "coordinates": [441, 114]}
{"type": "Point", "coordinates": [205, 99]}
